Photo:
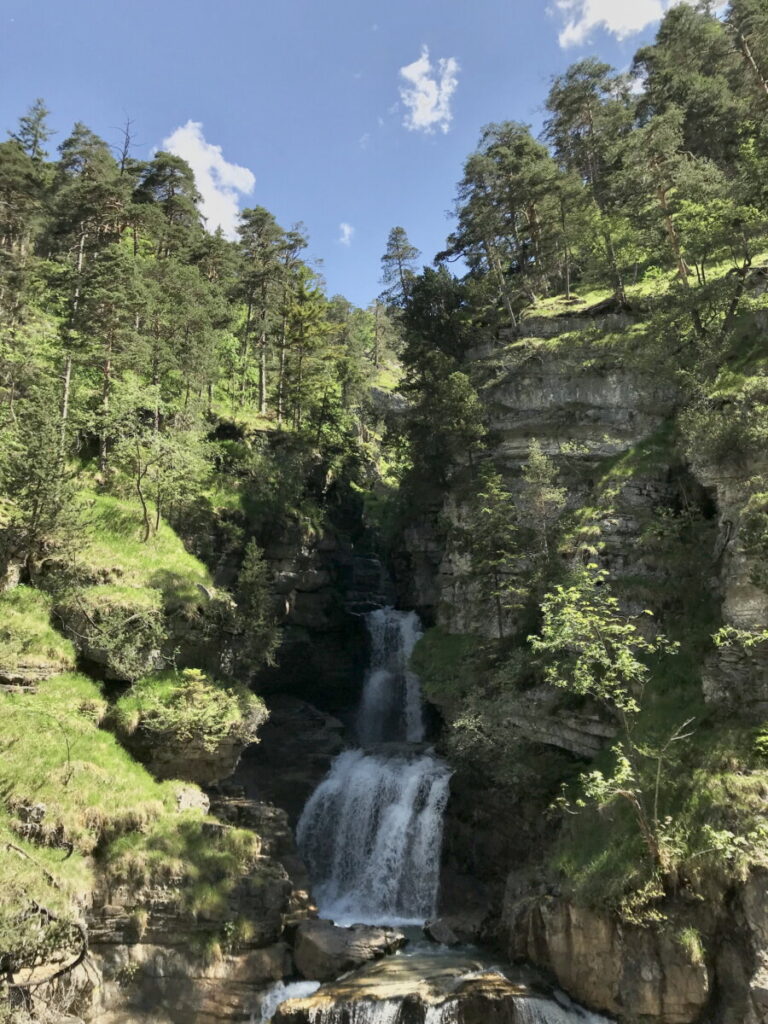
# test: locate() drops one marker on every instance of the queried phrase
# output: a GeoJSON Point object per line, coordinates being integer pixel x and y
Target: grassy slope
{"type": "Point", "coordinates": [95, 799]}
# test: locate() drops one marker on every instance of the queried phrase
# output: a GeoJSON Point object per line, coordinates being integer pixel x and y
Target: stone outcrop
{"type": "Point", "coordinates": [170, 983]}
{"type": "Point", "coordinates": [322, 951]}
{"type": "Point", "coordinates": [618, 969]}
{"type": "Point", "coordinates": [737, 677]}
{"type": "Point", "coordinates": [296, 746]}
{"type": "Point", "coordinates": [194, 759]}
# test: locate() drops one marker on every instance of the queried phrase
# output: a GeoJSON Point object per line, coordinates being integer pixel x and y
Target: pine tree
{"type": "Point", "coordinates": [33, 131]}
{"type": "Point", "coordinates": [398, 266]}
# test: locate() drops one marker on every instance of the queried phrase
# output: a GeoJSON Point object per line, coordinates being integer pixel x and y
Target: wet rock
{"type": "Point", "coordinates": [615, 968]}
{"type": "Point", "coordinates": [322, 950]}
{"type": "Point", "coordinates": [456, 929]}
{"type": "Point", "coordinates": [441, 932]}
{"type": "Point", "coordinates": [295, 749]}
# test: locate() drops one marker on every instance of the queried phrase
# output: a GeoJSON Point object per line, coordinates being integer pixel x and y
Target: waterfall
{"type": "Point", "coordinates": [370, 836]}
{"type": "Point", "coordinates": [364, 1011]}
{"type": "Point", "coordinates": [390, 708]}
{"type": "Point", "coordinates": [371, 832]}
{"type": "Point", "coordinates": [521, 1010]}
{"type": "Point", "coordinates": [279, 993]}
{"type": "Point", "coordinates": [546, 1011]}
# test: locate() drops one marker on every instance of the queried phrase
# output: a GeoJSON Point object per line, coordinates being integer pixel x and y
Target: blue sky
{"type": "Point", "coordinates": [350, 116]}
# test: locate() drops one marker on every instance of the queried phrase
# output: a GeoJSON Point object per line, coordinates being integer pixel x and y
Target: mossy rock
{"type": "Point", "coordinates": [118, 626]}
{"type": "Point", "coordinates": [30, 648]}
{"type": "Point", "coordinates": [188, 725]}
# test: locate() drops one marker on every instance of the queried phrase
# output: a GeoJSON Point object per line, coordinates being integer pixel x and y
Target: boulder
{"type": "Point", "coordinates": [456, 929]}
{"type": "Point", "coordinates": [323, 951]}
{"type": "Point", "coordinates": [441, 932]}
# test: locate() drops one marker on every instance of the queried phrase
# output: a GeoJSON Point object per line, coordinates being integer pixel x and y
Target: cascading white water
{"type": "Point", "coordinates": [371, 832]}
{"type": "Point", "coordinates": [522, 1010]}
{"type": "Point", "coordinates": [364, 1011]}
{"type": "Point", "coordinates": [370, 836]}
{"type": "Point", "coordinates": [546, 1011]}
{"type": "Point", "coordinates": [280, 993]}
{"type": "Point", "coordinates": [390, 708]}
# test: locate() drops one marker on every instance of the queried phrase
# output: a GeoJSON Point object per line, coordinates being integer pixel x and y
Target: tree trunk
{"type": "Point", "coordinates": [281, 374]}
{"type": "Point", "coordinates": [105, 392]}
{"type": "Point", "coordinates": [493, 259]}
{"type": "Point", "coordinates": [745, 49]}
{"type": "Point", "coordinates": [263, 374]}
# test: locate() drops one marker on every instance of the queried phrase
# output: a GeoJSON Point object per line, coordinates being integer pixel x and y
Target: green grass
{"type": "Point", "coordinates": [102, 812]}
{"type": "Point", "coordinates": [183, 850]}
{"type": "Point", "coordinates": [114, 549]}
{"type": "Point", "coordinates": [189, 706]}
{"type": "Point", "coordinates": [54, 753]}
{"type": "Point", "coordinates": [26, 633]}
{"type": "Point", "coordinates": [654, 283]}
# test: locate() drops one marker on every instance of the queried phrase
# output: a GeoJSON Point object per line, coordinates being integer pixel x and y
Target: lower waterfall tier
{"type": "Point", "coordinates": [433, 988]}
{"type": "Point", "coordinates": [371, 834]}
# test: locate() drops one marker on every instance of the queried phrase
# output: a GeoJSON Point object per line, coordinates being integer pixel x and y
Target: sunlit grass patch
{"type": "Point", "coordinates": [55, 756]}
{"type": "Point", "coordinates": [114, 547]}
{"type": "Point", "coordinates": [27, 634]}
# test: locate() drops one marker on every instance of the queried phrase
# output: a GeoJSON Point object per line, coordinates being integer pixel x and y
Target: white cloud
{"type": "Point", "coordinates": [622, 18]}
{"type": "Point", "coordinates": [428, 92]}
{"type": "Point", "coordinates": [347, 233]}
{"type": "Point", "coordinates": [219, 182]}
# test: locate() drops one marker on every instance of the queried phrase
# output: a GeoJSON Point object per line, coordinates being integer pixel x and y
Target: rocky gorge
{"type": "Point", "coordinates": [494, 885]}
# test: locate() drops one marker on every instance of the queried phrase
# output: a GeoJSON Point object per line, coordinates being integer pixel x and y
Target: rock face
{"type": "Point", "coordinates": [581, 411]}
{"type": "Point", "coordinates": [193, 760]}
{"type": "Point", "coordinates": [619, 970]}
{"type": "Point", "coordinates": [323, 586]}
{"type": "Point", "coordinates": [295, 749]}
{"type": "Point", "coordinates": [180, 987]}
{"type": "Point", "coordinates": [737, 678]}
{"type": "Point", "coordinates": [322, 951]}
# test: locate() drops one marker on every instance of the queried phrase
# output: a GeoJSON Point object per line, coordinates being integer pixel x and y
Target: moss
{"type": "Point", "coordinates": [442, 661]}
{"type": "Point", "coordinates": [190, 706]}
{"type": "Point", "coordinates": [27, 635]}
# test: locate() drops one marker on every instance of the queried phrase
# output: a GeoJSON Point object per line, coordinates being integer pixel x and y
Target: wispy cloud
{"type": "Point", "coordinates": [347, 233]}
{"type": "Point", "coordinates": [219, 182]}
{"type": "Point", "coordinates": [427, 92]}
{"type": "Point", "coordinates": [622, 18]}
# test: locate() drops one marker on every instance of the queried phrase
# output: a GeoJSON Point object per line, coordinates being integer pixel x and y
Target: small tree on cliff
{"type": "Point", "coordinates": [492, 542]}
{"type": "Point", "coordinates": [255, 612]}
{"type": "Point", "coordinates": [593, 649]}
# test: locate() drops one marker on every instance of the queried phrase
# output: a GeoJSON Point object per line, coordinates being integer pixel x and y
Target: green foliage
{"type": "Point", "coordinates": [444, 662]}
{"type": "Point", "coordinates": [592, 647]}
{"type": "Point", "coordinates": [255, 611]}
{"type": "Point", "coordinates": [190, 706]}
{"type": "Point", "coordinates": [491, 537]}
{"type": "Point", "coordinates": [27, 636]}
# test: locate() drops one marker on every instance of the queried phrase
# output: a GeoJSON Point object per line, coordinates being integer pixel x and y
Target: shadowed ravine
{"type": "Point", "coordinates": [371, 837]}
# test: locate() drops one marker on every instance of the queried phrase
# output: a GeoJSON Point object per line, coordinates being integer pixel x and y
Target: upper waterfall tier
{"type": "Point", "coordinates": [390, 708]}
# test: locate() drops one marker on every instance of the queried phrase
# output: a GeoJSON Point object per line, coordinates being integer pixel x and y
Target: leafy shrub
{"type": "Point", "coordinates": [191, 706]}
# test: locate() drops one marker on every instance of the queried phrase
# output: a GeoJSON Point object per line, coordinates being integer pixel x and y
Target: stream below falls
{"type": "Point", "coordinates": [371, 837]}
